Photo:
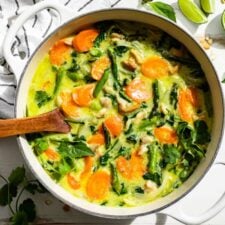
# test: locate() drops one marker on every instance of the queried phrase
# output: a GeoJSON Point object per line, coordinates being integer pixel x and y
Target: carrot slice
{"type": "Point", "coordinates": [68, 106]}
{"type": "Point", "coordinates": [83, 41]}
{"type": "Point", "coordinates": [52, 154]}
{"type": "Point", "coordinates": [97, 139]}
{"type": "Point", "coordinates": [187, 101]}
{"type": "Point", "coordinates": [98, 185]}
{"type": "Point", "coordinates": [155, 67]}
{"type": "Point", "coordinates": [99, 66]}
{"type": "Point", "coordinates": [88, 161]}
{"type": "Point", "coordinates": [73, 183]}
{"type": "Point", "coordinates": [132, 168]}
{"type": "Point", "coordinates": [83, 95]}
{"type": "Point", "coordinates": [114, 124]}
{"type": "Point", "coordinates": [166, 135]}
{"type": "Point", "coordinates": [137, 91]}
{"type": "Point", "coordinates": [59, 53]}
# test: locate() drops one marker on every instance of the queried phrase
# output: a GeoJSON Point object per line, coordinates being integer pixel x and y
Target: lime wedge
{"type": "Point", "coordinates": [223, 19]}
{"type": "Point", "coordinates": [191, 11]}
{"type": "Point", "coordinates": [208, 5]}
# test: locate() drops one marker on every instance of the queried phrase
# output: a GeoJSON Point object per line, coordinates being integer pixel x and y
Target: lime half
{"type": "Point", "coordinates": [192, 11]}
{"type": "Point", "coordinates": [208, 5]}
{"type": "Point", "coordinates": [223, 19]}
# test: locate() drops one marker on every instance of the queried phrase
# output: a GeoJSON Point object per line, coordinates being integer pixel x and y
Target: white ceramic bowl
{"type": "Point", "coordinates": [71, 27]}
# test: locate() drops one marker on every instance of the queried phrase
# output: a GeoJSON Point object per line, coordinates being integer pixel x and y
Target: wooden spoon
{"type": "Point", "coordinates": [51, 121]}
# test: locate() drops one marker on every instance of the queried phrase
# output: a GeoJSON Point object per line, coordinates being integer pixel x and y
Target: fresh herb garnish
{"type": "Point", "coordinates": [42, 98]}
{"type": "Point", "coordinates": [161, 8]}
{"type": "Point", "coordinates": [23, 212]}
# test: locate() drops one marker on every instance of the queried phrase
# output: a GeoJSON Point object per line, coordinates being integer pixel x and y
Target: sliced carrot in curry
{"type": "Point", "coordinates": [97, 139]}
{"type": "Point", "coordinates": [138, 91]}
{"type": "Point", "coordinates": [73, 183]}
{"type": "Point", "coordinates": [99, 66]}
{"type": "Point", "coordinates": [132, 168]}
{"type": "Point", "coordinates": [166, 135]}
{"type": "Point", "coordinates": [68, 106]}
{"type": "Point", "coordinates": [52, 154]}
{"type": "Point", "coordinates": [98, 185]}
{"type": "Point", "coordinates": [59, 53]}
{"type": "Point", "coordinates": [155, 67]}
{"type": "Point", "coordinates": [83, 41]}
{"type": "Point", "coordinates": [88, 164]}
{"type": "Point", "coordinates": [187, 101]}
{"type": "Point", "coordinates": [114, 124]}
{"type": "Point", "coordinates": [83, 95]}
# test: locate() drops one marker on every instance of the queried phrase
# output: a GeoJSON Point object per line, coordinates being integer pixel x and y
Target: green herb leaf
{"type": "Point", "coordinates": [40, 145]}
{"type": "Point", "coordinates": [28, 207]}
{"type": "Point", "coordinates": [120, 50]}
{"type": "Point", "coordinates": [223, 81]}
{"type": "Point", "coordinates": [139, 190]}
{"type": "Point", "coordinates": [77, 149]}
{"type": "Point", "coordinates": [202, 134]}
{"type": "Point", "coordinates": [42, 98]}
{"type": "Point", "coordinates": [19, 218]}
{"type": "Point", "coordinates": [4, 197]}
{"type": "Point", "coordinates": [171, 154]}
{"type": "Point", "coordinates": [162, 9]}
{"type": "Point", "coordinates": [34, 187]}
{"type": "Point", "coordinates": [17, 176]}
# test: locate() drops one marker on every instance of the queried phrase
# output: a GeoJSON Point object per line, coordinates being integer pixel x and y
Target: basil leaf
{"type": "Point", "coordinates": [17, 176]}
{"type": "Point", "coordinates": [77, 149]}
{"type": "Point", "coordinates": [163, 9]}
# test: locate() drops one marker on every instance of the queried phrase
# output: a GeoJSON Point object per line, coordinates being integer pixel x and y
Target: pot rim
{"type": "Point", "coordinates": [91, 212]}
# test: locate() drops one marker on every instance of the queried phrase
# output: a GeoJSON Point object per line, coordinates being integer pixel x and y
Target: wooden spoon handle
{"type": "Point", "coordinates": [51, 121]}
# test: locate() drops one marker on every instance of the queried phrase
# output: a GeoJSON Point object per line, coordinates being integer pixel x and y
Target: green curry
{"type": "Point", "coordinates": [139, 107]}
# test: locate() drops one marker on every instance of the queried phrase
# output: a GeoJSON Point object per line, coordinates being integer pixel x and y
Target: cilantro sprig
{"type": "Point", "coordinates": [23, 212]}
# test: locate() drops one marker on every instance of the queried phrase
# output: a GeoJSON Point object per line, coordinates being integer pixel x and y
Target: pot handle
{"type": "Point", "coordinates": [176, 212]}
{"type": "Point", "coordinates": [18, 65]}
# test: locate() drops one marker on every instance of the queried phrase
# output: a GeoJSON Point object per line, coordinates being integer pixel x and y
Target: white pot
{"type": "Point", "coordinates": [164, 205]}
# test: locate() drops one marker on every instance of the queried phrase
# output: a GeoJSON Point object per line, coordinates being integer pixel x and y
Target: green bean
{"type": "Point", "coordinates": [101, 83]}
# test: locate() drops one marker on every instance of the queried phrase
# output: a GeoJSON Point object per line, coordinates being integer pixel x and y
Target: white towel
{"type": "Point", "coordinates": [33, 31]}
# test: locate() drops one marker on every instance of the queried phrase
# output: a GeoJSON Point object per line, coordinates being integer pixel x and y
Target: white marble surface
{"type": "Point", "coordinates": [200, 199]}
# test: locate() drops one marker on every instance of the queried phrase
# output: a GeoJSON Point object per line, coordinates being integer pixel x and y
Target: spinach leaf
{"type": "Point", "coordinates": [202, 135]}
{"type": "Point", "coordinates": [120, 50]}
{"type": "Point", "coordinates": [133, 138]}
{"type": "Point", "coordinates": [173, 95]}
{"type": "Point", "coordinates": [171, 154]}
{"type": "Point", "coordinates": [139, 190]}
{"type": "Point", "coordinates": [76, 149]}
{"type": "Point", "coordinates": [103, 27]}
{"type": "Point", "coordinates": [42, 98]}
{"type": "Point", "coordinates": [111, 153]}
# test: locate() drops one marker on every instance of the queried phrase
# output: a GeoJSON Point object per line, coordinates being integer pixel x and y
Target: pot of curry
{"type": "Point", "coordinates": [145, 108]}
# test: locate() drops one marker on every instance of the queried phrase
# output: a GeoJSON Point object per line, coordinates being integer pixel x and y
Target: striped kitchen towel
{"type": "Point", "coordinates": [33, 31]}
